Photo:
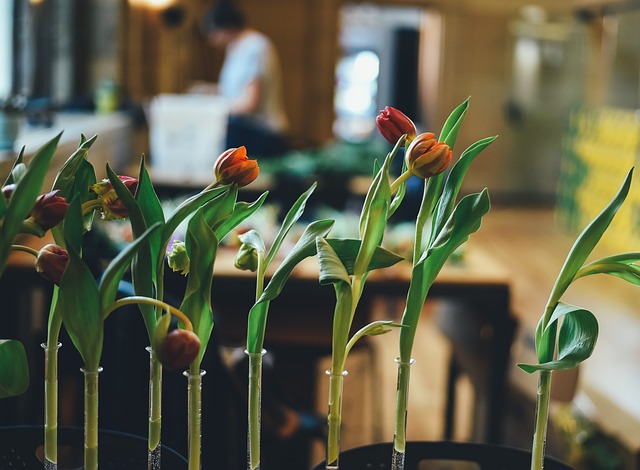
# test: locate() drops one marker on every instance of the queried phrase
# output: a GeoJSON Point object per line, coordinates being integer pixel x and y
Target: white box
{"type": "Point", "coordinates": [186, 133]}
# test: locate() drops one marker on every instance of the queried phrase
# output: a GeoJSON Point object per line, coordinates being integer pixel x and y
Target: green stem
{"type": "Point", "coordinates": [402, 395]}
{"type": "Point", "coordinates": [51, 400]}
{"type": "Point", "coordinates": [155, 400]}
{"type": "Point", "coordinates": [136, 299]}
{"type": "Point", "coordinates": [91, 418]}
{"type": "Point", "coordinates": [336, 381]}
{"type": "Point", "coordinates": [25, 249]}
{"type": "Point", "coordinates": [401, 179]}
{"type": "Point", "coordinates": [254, 411]}
{"type": "Point", "coordinates": [542, 417]}
{"type": "Point", "coordinates": [194, 392]}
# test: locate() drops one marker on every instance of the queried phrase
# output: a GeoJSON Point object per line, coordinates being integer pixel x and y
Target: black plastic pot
{"type": "Point", "coordinates": [456, 455]}
{"type": "Point", "coordinates": [21, 448]}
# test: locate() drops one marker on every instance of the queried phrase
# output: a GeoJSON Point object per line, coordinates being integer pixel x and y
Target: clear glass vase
{"type": "Point", "coordinates": [155, 411]}
{"type": "Point", "coordinates": [91, 418]}
{"type": "Point", "coordinates": [194, 405]}
{"type": "Point", "coordinates": [336, 385]}
{"type": "Point", "coordinates": [400, 426]}
{"type": "Point", "coordinates": [254, 409]}
{"type": "Point", "coordinates": [51, 406]}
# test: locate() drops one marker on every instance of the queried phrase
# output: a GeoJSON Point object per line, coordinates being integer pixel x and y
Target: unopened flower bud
{"type": "Point", "coordinates": [247, 258]}
{"type": "Point", "coordinates": [51, 262]}
{"type": "Point", "coordinates": [8, 190]}
{"type": "Point", "coordinates": [178, 258]}
{"type": "Point", "coordinates": [233, 166]}
{"type": "Point", "coordinates": [393, 124]}
{"type": "Point", "coordinates": [426, 157]}
{"type": "Point", "coordinates": [49, 210]}
{"type": "Point", "coordinates": [178, 349]}
{"type": "Point", "coordinates": [112, 206]}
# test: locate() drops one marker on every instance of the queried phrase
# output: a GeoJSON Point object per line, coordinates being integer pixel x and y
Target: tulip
{"type": "Point", "coordinates": [426, 157]}
{"type": "Point", "coordinates": [247, 258]}
{"type": "Point", "coordinates": [178, 349]}
{"type": "Point", "coordinates": [178, 258]}
{"type": "Point", "coordinates": [51, 262]}
{"type": "Point", "coordinates": [393, 124]}
{"type": "Point", "coordinates": [49, 210]}
{"type": "Point", "coordinates": [112, 206]}
{"type": "Point", "coordinates": [233, 166]}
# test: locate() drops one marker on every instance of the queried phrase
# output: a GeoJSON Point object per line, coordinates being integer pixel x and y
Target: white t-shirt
{"type": "Point", "coordinates": [251, 57]}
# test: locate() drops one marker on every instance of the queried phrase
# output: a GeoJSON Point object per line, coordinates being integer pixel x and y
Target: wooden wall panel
{"type": "Point", "coordinates": [164, 59]}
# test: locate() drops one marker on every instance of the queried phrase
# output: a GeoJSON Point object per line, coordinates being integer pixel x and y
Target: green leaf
{"type": "Point", "coordinates": [587, 240]}
{"type": "Point", "coordinates": [218, 209]}
{"type": "Point", "coordinates": [374, 219]}
{"type": "Point", "coordinates": [399, 196]}
{"type": "Point", "coordinates": [449, 133]}
{"type": "Point", "coordinates": [304, 248]}
{"type": "Point", "coordinates": [115, 270]}
{"type": "Point", "coordinates": [79, 305]}
{"type": "Point", "coordinates": [331, 268]}
{"type": "Point", "coordinates": [202, 249]}
{"type": "Point", "coordinates": [14, 369]}
{"type": "Point", "coordinates": [295, 212]}
{"type": "Point", "coordinates": [152, 212]}
{"type": "Point", "coordinates": [622, 265]}
{"type": "Point", "coordinates": [375, 328]}
{"type": "Point", "coordinates": [464, 220]}
{"type": "Point", "coordinates": [67, 174]}
{"type": "Point", "coordinates": [182, 212]}
{"type": "Point", "coordinates": [24, 197]}
{"type": "Point", "coordinates": [333, 272]}
{"type": "Point", "coordinates": [241, 212]}
{"type": "Point", "coordinates": [454, 183]}
{"type": "Point", "coordinates": [19, 161]}
{"type": "Point", "coordinates": [347, 250]}
{"type": "Point", "coordinates": [576, 341]}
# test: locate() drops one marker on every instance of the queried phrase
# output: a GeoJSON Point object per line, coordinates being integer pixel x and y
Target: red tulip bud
{"type": "Point", "coordinates": [393, 124]}
{"type": "Point", "coordinates": [427, 157]}
{"type": "Point", "coordinates": [179, 349]}
{"type": "Point", "coordinates": [49, 210]}
{"type": "Point", "coordinates": [233, 166]}
{"type": "Point", "coordinates": [51, 262]}
{"type": "Point", "coordinates": [112, 206]}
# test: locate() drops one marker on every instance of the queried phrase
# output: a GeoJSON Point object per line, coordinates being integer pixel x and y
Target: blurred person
{"type": "Point", "coordinates": [251, 81]}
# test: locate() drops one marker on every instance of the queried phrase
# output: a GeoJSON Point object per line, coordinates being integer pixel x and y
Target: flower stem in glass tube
{"type": "Point", "coordinates": [542, 417]}
{"type": "Point", "coordinates": [155, 411]}
{"type": "Point", "coordinates": [51, 406]}
{"type": "Point", "coordinates": [91, 418]}
{"type": "Point", "coordinates": [194, 392]}
{"type": "Point", "coordinates": [254, 410]}
{"type": "Point", "coordinates": [400, 429]}
{"type": "Point", "coordinates": [336, 382]}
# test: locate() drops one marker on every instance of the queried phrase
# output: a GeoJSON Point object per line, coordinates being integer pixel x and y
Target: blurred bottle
{"type": "Point", "coordinates": [106, 97]}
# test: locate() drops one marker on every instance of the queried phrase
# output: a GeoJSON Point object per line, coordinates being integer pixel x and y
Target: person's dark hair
{"type": "Point", "coordinates": [225, 14]}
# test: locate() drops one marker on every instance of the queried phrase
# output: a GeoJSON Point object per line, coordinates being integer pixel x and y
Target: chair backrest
{"type": "Point", "coordinates": [442, 456]}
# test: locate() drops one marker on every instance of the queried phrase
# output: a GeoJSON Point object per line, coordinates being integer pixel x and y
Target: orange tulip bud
{"type": "Point", "coordinates": [112, 206]}
{"type": "Point", "coordinates": [393, 124]}
{"type": "Point", "coordinates": [49, 210]}
{"type": "Point", "coordinates": [426, 157]}
{"type": "Point", "coordinates": [233, 166]}
{"type": "Point", "coordinates": [179, 348]}
{"type": "Point", "coordinates": [51, 262]}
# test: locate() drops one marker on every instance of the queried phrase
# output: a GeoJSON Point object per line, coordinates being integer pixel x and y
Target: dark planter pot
{"type": "Point", "coordinates": [21, 448]}
{"type": "Point", "coordinates": [456, 455]}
